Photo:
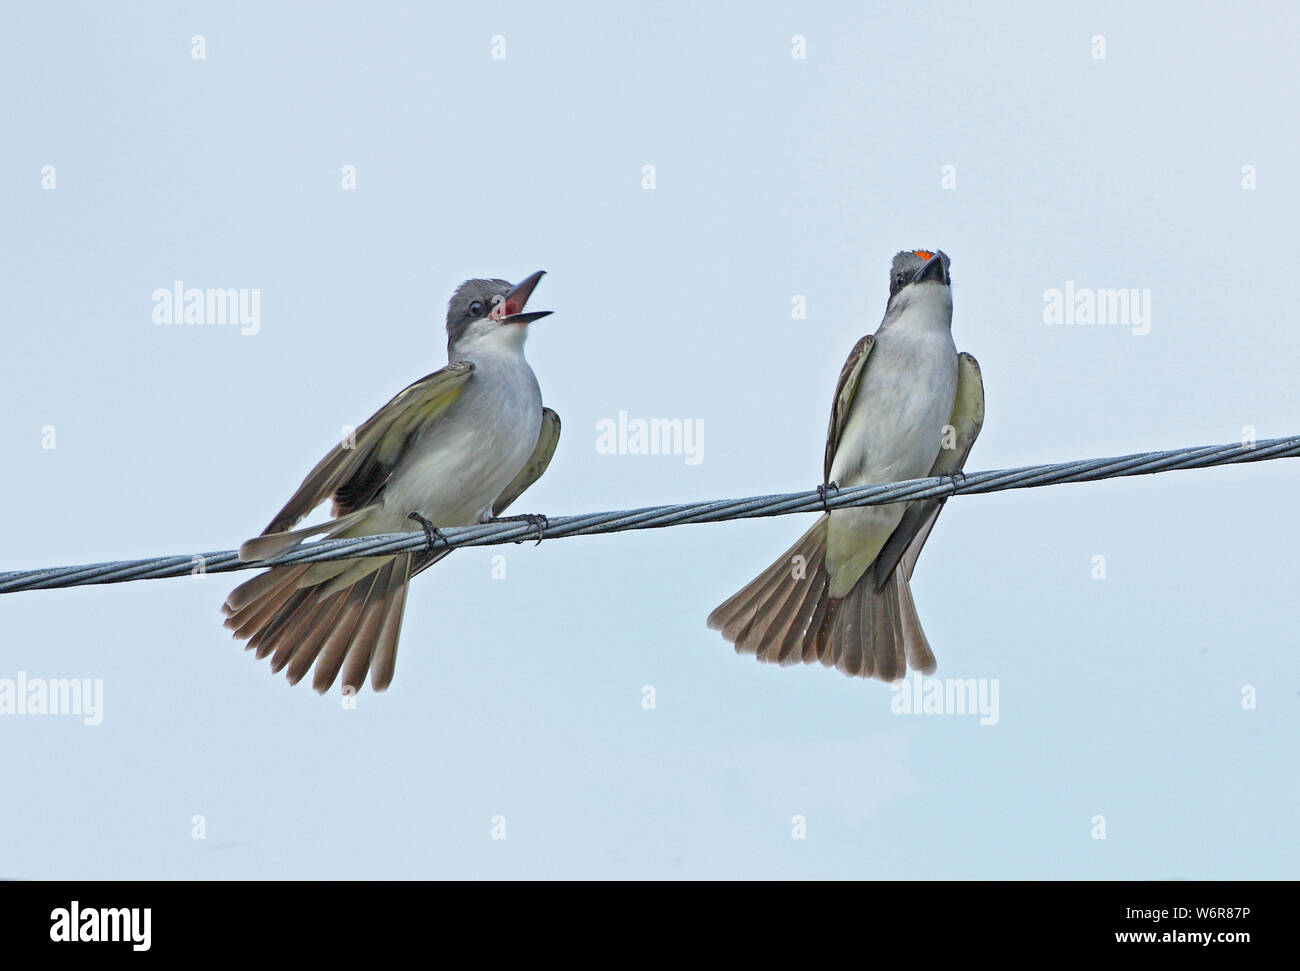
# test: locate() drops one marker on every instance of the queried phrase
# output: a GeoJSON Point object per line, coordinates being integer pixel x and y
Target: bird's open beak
{"type": "Point", "coordinates": [509, 310]}
{"type": "Point", "coordinates": [933, 270]}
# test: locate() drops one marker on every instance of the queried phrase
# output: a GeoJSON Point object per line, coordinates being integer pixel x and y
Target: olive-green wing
{"type": "Point", "coordinates": [904, 544]}
{"type": "Point", "coordinates": [536, 464]}
{"type": "Point", "coordinates": [845, 390]}
{"type": "Point", "coordinates": [355, 470]}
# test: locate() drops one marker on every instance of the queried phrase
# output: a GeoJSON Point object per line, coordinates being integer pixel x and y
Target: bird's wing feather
{"type": "Point", "coordinates": [904, 544]}
{"type": "Point", "coordinates": [845, 391]}
{"type": "Point", "coordinates": [355, 471]}
{"type": "Point", "coordinates": [536, 464]}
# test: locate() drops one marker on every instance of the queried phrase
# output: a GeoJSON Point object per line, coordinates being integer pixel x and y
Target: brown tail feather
{"type": "Point", "coordinates": [786, 615]}
{"type": "Point", "coordinates": [265, 640]}
{"type": "Point", "coordinates": [267, 602]}
{"type": "Point", "coordinates": [733, 615]}
{"type": "Point", "coordinates": [788, 644]}
{"type": "Point", "coordinates": [357, 661]}
{"type": "Point", "coordinates": [887, 653]}
{"type": "Point", "coordinates": [819, 631]}
{"type": "Point", "coordinates": [259, 588]}
{"type": "Point", "coordinates": [915, 645]}
{"type": "Point", "coordinates": [307, 613]}
{"type": "Point", "coordinates": [302, 644]}
{"type": "Point", "coordinates": [334, 649]}
{"type": "Point", "coordinates": [351, 629]}
{"type": "Point", "coordinates": [801, 589]}
{"type": "Point", "coordinates": [848, 636]}
{"type": "Point", "coordinates": [383, 657]}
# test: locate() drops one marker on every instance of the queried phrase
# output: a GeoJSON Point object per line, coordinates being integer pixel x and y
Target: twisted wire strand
{"type": "Point", "coordinates": [657, 517]}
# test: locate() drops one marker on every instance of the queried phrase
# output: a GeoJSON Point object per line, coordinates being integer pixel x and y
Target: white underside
{"type": "Point", "coordinates": [454, 473]}
{"type": "Point", "coordinates": [895, 426]}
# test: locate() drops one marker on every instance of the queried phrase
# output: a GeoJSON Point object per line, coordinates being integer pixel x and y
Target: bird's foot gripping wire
{"type": "Point", "coordinates": [536, 520]}
{"type": "Point", "coordinates": [824, 489]}
{"type": "Point", "coordinates": [431, 532]}
{"type": "Point", "coordinates": [954, 478]}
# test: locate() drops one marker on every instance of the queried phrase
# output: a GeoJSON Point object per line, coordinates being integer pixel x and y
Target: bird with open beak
{"type": "Point", "coordinates": [453, 449]}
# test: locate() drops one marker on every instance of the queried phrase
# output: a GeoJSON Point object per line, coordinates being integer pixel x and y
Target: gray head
{"type": "Point", "coordinates": [918, 266]}
{"type": "Point", "coordinates": [490, 311]}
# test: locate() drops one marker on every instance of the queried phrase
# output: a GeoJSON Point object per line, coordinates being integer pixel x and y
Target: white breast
{"type": "Point", "coordinates": [895, 427]}
{"type": "Point", "coordinates": [904, 400]}
{"type": "Point", "coordinates": [457, 469]}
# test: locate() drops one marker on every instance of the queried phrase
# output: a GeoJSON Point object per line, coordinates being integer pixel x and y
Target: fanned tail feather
{"type": "Point", "coordinates": [786, 615]}
{"type": "Point", "coordinates": [352, 629]}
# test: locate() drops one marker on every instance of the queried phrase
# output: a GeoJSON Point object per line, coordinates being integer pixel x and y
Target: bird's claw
{"type": "Point", "coordinates": [953, 477]}
{"type": "Point", "coordinates": [822, 491]}
{"type": "Point", "coordinates": [431, 532]}
{"type": "Point", "coordinates": [535, 519]}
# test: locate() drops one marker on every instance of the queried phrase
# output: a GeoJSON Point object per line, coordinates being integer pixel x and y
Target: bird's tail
{"type": "Point", "coordinates": [341, 615]}
{"type": "Point", "coordinates": [352, 629]}
{"type": "Point", "coordinates": [786, 615]}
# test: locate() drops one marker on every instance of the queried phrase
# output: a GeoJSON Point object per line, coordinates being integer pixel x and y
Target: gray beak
{"type": "Point", "coordinates": [933, 270]}
{"type": "Point", "coordinates": [510, 309]}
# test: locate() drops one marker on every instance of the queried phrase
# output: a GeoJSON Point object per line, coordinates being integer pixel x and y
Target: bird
{"type": "Point", "coordinates": [907, 405]}
{"type": "Point", "coordinates": [455, 448]}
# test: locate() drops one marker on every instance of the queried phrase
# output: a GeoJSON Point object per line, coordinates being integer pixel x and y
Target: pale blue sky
{"type": "Point", "coordinates": [775, 177]}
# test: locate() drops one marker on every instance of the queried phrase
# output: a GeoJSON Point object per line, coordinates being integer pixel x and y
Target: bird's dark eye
{"type": "Point", "coordinates": [476, 308]}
